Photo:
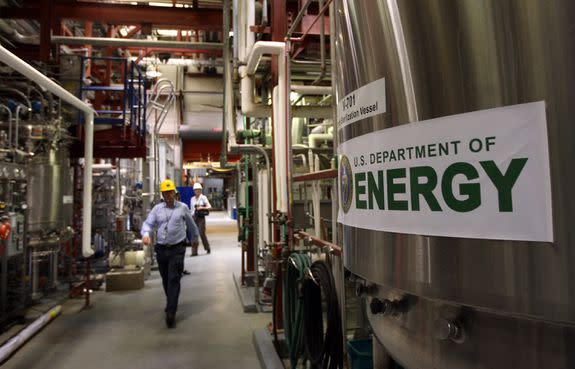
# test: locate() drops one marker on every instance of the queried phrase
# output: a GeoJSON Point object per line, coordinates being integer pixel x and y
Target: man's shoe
{"type": "Point", "coordinates": [209, 250]}
{"type": "Point", "coordinates": [186, 272]}
{"type": "Point", "coordinates": [170, 320]}
{"type": "Point", "coordinates": [196, 254]}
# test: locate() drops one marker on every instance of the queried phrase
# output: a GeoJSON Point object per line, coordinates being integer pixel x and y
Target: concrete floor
{"type": "Point", "coordinates": [127, 329]}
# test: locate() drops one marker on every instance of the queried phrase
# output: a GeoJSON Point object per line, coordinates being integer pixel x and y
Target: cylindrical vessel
{"type": "Point", "coordinates": [50, 192]}
{"type": "Point", "coordinates": [515, 300]}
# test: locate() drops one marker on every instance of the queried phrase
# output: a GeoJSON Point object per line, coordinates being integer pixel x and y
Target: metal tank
{"type": "Point", "coordinates": [50, 192]}
{"type": "Point", "coordinates": [513, 302]}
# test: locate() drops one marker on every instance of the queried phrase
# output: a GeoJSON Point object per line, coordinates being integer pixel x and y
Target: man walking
{"type": "Point", "coordinates": [200, 206]}
{"type": "Point", "coordinates": [174, 225]}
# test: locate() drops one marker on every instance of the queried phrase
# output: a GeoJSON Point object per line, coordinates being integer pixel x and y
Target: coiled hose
{"type": "Point", "coordinates": [293, 306]}
{"type": "Point", "coordinates": [324, 352]}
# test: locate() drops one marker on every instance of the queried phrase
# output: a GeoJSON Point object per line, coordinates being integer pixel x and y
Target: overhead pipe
{"type": "Point", "coordinates": [312, 90]}
{"type": "Point", "coordinates": [23, 39]}
{"type": "Point", "coordinates": [27, 70]}
{"type": "Point", "coordinates": [251, 109]}
{"type": "Point", "coordinates": [18, 340]}
{"type": "Point", "coordinates": [130, 42]}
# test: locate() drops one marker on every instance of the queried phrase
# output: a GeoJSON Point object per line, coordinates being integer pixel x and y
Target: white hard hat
{"type": "Point", "coordinates": [197, 186]}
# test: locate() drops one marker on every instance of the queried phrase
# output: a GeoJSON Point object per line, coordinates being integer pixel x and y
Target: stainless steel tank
{"type": "Point", "coordinates": [515, 300]}
{"type": "Point", "coordinates": [50, 192]}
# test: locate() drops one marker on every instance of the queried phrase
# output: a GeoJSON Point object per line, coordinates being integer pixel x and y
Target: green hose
{"type": "Point", "coordinates": [293, 306]}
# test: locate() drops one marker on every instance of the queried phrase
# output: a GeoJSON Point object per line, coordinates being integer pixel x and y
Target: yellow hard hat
{"type": "Point", "coordinates": [167, 185]}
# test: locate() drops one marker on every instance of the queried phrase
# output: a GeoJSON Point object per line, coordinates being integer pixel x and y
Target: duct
{"type": "Point", "coordinates": [17, 341]}
{"type": "Point", "coordinates": [17, 36]}
{"type": "Point", "coordinates": [27, 70]}
{"type": "Point", "coordinates": [129, 42]}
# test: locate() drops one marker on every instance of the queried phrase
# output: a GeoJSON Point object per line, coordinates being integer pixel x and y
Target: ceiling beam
{"type": "Point", "coordinates": [206, 19]}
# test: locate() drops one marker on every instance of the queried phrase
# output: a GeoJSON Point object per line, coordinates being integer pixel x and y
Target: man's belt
{"type": "Point", "coordinates": [181, 243]}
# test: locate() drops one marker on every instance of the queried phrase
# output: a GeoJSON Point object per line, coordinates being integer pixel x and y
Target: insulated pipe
{"type": "Point", "coordinates": [256, 149]}
{"type": "Point", "coordinates": [17, 341]}
{"type": "Point", "coordinates": [27, 70]}
{"type": "Point", "coordinates": [314, 138]}
{"type": "Point", "coordinates": [227, 100]}
{"type": "Point", "coordinates": [251, 109]}
{"type": "Point", "coordinates": [312, 90]}
{"type": "Point", "coordinates": [131, 42]}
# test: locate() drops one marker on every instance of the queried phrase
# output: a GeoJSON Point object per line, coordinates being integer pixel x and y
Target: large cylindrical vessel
{"type": "Point", "coordinates": [515, 300]}
{"type": "Point", "coordinates": [50, 192]}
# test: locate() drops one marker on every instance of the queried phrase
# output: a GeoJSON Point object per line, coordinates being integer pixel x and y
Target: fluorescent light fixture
{"type": "Point", "coordinates": [168, 32]}
{"type": "Point", "coordinates": [165, 5]}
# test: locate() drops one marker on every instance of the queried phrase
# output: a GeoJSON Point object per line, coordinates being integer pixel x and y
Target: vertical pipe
{"type": "Point", "coordinates": [338, 261]}
{"type": "Point", "coordinates": [227, 86]}
{"type": "Point", "coordinates": [9, 124]}
{"type": "Point", "coordinates": [257, 230]}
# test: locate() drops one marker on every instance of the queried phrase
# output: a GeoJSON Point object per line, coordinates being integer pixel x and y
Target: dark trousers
{"type": "Point", "coordinates": [171, 265]}
{"type": "Point", "coordinates": [201, 223]}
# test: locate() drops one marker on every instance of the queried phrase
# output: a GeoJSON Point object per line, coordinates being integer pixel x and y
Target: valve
{"type": "Point", "coordinates": [444, 329]}
{"type": "Point", "coordinates": [384, 307]}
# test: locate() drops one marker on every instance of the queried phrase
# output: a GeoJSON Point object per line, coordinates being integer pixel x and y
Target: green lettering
{"type": "Point", "coordinates": [504, 182]}
{"type": "Point", "coordinates": [419, 152]}
{"type": "Point", "coordinates": [472, 190]}
{"type": "Point", "coordinates": [375, 189]}
{"type": "Point", "coordinates": [359, 190]}
{"type": "Point", "coordinates": [423, 189]}
{"type": "Point", "coordinates": [395, 188]}
{"type": "Point", "coordinates": [444, 148]}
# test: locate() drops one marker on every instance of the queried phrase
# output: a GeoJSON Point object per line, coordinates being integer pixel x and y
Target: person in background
{"type": "Point", "coordinates": [179, 198]}
{"type": "Point", "coordinates": [200, 206]}
{"type": "Point", "coordinates": [175, 226]}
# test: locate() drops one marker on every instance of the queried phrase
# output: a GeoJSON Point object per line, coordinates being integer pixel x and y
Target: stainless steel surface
{"type": "Point", "coordinates": [50, 183]}
{"type": "Point", "coordinates": [441, 58]}
{"type": "Point", "coordinates": [492, 341]}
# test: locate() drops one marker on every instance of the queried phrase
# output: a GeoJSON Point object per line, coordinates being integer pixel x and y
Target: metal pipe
{"type": "Point", "coordinates": [251, 109]}
{"type": "Point", "coordinates": [321, 47]}
{"type": "Point", "coordinates": [298, 18]}
{"type": "Point", "coordinates": [20, 38]}
{"type": "Point", "coordinates": [27, 70]}
{"type": "Point", "coordinates": [9, 124]}
{"type": "Point", "coordinates": [18, 109]}
{"type": "Point", "coordinates": [130, 42]}
{"type": "Point", "coordinates": [312, 90]}
{"type": "Point", "coordinates": [17, 341]}
{"type": "Point", "coordinates": [256, 149]}
{"type": "Point", "coordinates": [227, 84]}
{"type": "Point", "coordinates": [19, 93]}
{"type": "Point", "coordinates": [304, 34]}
